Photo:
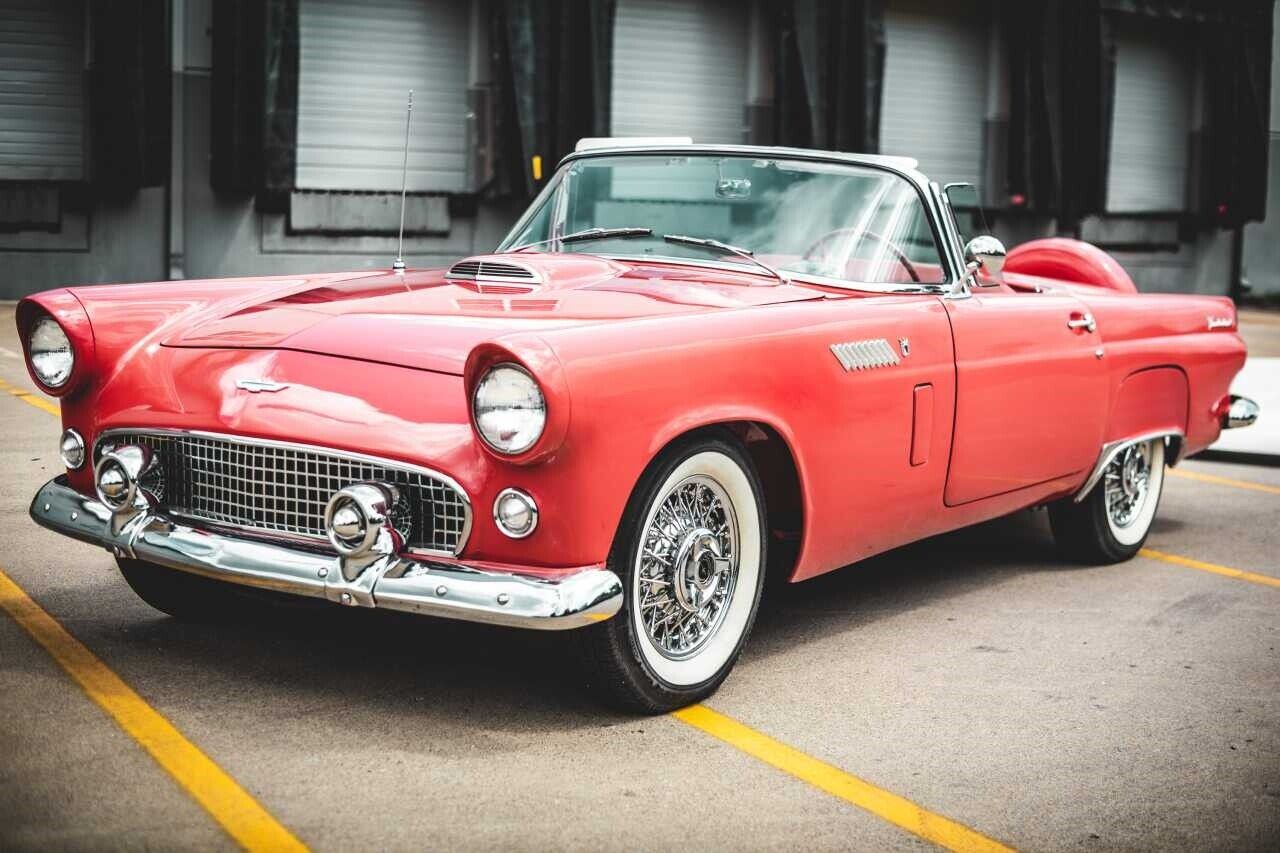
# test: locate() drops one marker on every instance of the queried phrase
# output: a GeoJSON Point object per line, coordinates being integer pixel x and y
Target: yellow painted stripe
{"type": "Point", "coordinates": [1224, 481]}
{"type": "Point", "coordinates": [29, 398]}
{"type": "Point", "coordinates": [1226, 571]}
{"type": "Point", "coordinates": [229, 804]}
{"type": "Point", "coordinates": [834, 781]}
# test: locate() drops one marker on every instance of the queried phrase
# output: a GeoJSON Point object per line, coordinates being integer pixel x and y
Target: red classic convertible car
{"type": "Point", "coordinates": [687, 366]}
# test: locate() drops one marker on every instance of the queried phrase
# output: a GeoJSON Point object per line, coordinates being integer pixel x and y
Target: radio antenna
{"type": "Point", "coordinates": [398, 266]}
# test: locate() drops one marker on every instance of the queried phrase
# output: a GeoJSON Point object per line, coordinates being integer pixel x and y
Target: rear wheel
{"type": "Point", "coordinates": [691, 554]}
{"type": "Point", "coordinates": [1113, 520]}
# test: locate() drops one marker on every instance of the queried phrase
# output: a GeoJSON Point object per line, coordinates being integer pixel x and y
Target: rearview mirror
{"type": "Point", "coordinates": [986, 253]}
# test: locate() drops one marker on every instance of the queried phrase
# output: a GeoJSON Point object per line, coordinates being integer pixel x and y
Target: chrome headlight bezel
{"type": "Point", "coordinates": [47, 343]}
{"type": "Point", "coordinates": [487, 406]}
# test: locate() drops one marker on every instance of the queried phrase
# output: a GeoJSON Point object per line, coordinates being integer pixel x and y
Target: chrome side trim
{"type": "Point", "coordinates": [1113, 448]}
{"type": "Point", "coordinates": [448, 481]}
{"type": "Point", "coordinates": [448, 590]}
{"type": "Point", "coordinates": [865, 355]}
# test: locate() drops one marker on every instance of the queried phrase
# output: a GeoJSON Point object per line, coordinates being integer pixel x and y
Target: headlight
{"type": "Point", "coordinates": [52, 357]}
{"type": "Point", "coordinates": [509, 409]}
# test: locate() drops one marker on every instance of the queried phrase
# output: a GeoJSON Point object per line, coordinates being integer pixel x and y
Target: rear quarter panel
{"type": "Point", "coordinates": [1169, 331]}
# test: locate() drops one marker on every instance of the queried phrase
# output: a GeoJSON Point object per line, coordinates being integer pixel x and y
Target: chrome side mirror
{"type": "Point", "coordinates": [986, 253]}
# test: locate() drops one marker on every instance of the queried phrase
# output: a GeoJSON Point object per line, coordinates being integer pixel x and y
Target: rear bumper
{"type": "Point", "coordinates": [415, 585]}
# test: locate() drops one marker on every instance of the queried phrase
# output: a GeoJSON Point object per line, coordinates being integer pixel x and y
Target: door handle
{"type": "Point", "coordinates": [1082, 321]}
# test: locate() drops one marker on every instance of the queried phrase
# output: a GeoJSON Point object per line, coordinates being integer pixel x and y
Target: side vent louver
{"type": "Point", "coordinates": [476, 269]}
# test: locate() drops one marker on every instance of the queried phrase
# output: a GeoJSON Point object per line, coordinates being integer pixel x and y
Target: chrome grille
{"type": "Point", "coordinates": [283, 488]}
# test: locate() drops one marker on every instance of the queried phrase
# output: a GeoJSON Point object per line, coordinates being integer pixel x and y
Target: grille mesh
{"type": "Point", "coordinates": [285, 489]}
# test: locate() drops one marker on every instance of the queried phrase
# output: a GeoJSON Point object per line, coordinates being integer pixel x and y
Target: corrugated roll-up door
{"type": "Point", "coordinates": [935, 88]}
{"type": "Point", "coordinates": [41, 90]}
{"type": "Point", "coordinates": [357, 62]}
{"type": "Point", "coordinates": [1150, 121]}
{"type": "Point", "coordinates": [680, 69]}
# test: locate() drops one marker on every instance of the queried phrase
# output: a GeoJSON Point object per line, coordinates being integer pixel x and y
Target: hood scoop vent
{"type": "Point", "coordinates": [487, 270]}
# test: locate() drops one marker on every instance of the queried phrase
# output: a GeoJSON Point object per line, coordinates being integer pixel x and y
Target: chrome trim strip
{"type": "Point", "coordinates": [1109, 452]}
{"type": "Point", "coordinates": [447, 590]}
{"type": "Point", "coordinates": [365, 458]}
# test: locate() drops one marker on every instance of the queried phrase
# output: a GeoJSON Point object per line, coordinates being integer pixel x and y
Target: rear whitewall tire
{"type": "Point", "coordinates": [1111, 523]}
{"type": "Point", "coordinates": [631, 663]}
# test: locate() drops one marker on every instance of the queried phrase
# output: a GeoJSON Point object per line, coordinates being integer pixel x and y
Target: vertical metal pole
{"type": "Point", "coordinates": [398, 266]}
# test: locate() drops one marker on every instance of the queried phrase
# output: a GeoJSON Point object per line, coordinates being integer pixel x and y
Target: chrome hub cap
{"type": "Point", "coordinates": [1126, 481]}
{"type": "Point", "coordinates": [688, 567]}
{"type": "Point", "coordinates": [699, 568]}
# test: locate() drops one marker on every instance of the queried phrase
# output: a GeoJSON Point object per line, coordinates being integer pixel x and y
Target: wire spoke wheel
{"type": "Point", "coordinates": [687, 567]}
{"type": "Point", "coordinates": [691, 551]}
{"type": "Point", "coordinates": [1126, 482]}
{"type": "Point", "coordinates": [1111, 522]}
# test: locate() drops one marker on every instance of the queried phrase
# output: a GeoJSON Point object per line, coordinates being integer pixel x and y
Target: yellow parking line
{"type": "Point", "coordinates": [1226, 571]}
{"type": "Point", "coordinates": [879, 802]}
{"type": "Point", "coordinates": [221, 796]}
{"type": "Point", "coordinates": [1224, 481]}
{"type": "Point", "coordinates": [27, 397]}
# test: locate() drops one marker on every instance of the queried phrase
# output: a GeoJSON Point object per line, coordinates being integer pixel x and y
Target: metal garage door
{"type": "Point", "coordinates": [1150, 121]}
{"type": "Point", "coordinates": [935, 88]}
{"type": "Point", "coordinates": [358, 61]}
{"type": "Point", "coordinates": [680, 69]}
{"type": "Point", "coordinates": [41, 90]}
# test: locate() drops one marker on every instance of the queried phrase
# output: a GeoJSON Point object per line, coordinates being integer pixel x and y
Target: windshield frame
{"type": "Point", "coordinates": [954, 284]}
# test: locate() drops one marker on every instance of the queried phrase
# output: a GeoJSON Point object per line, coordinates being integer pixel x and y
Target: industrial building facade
{"type": "Point", "coordinates": [146, 139]}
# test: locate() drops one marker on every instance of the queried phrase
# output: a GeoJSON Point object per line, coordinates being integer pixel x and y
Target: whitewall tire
{"type": "Point", "coordinates": [1112, 522]}
{"type": "Point", "coordinates": [691, 553]}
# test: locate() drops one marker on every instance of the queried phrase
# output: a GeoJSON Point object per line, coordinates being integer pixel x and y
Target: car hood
{"type": "Point", "coordinates": [425, 319]}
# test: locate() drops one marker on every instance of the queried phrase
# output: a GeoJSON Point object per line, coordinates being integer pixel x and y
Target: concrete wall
{"type": "Point", "coordinates": [1262, 239]}
{"type": "Point", "coordinates": [191, 231]}
{"type": "Point", "coordinates": [110, 243]}
{"type": "Point", "coordinates": [222, 235]}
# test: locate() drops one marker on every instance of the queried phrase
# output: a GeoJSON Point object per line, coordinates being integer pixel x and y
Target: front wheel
{"type": "Point", "coordinates": [191, 598]}
{"type": "Point", "coordinates": [691, 553]}
{"type": "Point", "coordinates": [1112, 522]}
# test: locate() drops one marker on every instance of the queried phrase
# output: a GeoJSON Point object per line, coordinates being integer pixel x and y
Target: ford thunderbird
{"type": "Point", "coordinates": [687, 368]}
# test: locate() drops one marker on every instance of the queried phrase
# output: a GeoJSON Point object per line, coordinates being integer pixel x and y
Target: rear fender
{"type": "Point", "coordinates": [1150, 401]}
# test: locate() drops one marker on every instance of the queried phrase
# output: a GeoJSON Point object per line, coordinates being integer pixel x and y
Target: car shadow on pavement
{"type": "Point", "coordinates": [424, 671]}
{"type": "Point", "coordinates": [908, 578]}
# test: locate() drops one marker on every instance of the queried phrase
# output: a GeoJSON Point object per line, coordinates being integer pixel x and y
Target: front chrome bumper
{"type": "Point", "coordinates": [413, 584]}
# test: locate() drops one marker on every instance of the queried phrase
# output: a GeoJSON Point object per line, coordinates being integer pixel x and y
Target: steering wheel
{"type": "Point", "coordinates": [901, 256]}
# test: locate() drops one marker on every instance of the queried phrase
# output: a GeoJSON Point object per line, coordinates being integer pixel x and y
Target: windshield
{"type": "Point", "coordinates": [851, 223]}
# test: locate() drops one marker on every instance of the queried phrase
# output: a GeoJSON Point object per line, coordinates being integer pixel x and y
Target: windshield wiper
{"type": "Point", "coordinates": [588, 234]}
{"type": "Point", "coordinates": [708, 243]}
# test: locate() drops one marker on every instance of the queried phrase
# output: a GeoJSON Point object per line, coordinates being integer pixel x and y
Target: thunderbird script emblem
{"type": "Point", "coordinates": [256, 385]}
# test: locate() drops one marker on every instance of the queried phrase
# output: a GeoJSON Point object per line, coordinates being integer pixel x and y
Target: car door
{"type": "Point", "coordinates": [1031, 391]}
